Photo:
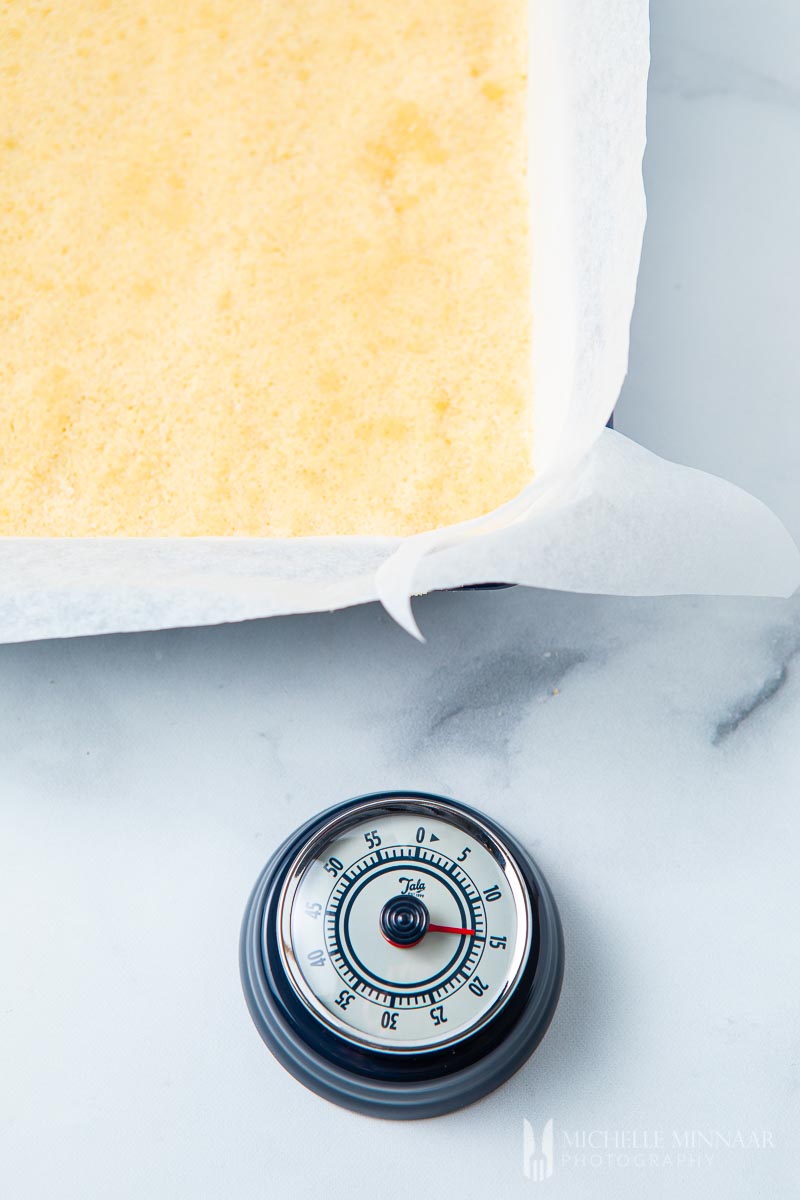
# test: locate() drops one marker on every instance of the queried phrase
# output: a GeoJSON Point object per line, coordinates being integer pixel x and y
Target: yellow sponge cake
{"type": "Point", "coordinates": [265, 265]}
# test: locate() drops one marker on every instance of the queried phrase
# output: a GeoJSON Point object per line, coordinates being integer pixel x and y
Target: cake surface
{"type": "Point", "coordinates": [265, 266]}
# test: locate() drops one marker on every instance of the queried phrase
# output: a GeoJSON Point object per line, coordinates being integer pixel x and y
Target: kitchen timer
{"type": "Point", "coordinates": [401, 954]}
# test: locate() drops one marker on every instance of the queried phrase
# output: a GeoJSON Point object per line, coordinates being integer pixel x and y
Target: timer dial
{"type": "Point", "coordinates": [370, 869]}
{"type": "Point", "coordinates": [394, 946]}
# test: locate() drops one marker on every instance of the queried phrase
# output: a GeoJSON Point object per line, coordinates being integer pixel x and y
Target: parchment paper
{"type": "Point", "coordinates": [602, 515]}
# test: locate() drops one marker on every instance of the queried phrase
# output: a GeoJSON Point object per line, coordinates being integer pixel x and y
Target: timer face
{"type": "Point", "coordinates": [404, 926]}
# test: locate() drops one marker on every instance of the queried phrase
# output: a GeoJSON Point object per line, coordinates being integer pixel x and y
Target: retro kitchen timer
{"type": "Point", "coordinates": [401, 954]}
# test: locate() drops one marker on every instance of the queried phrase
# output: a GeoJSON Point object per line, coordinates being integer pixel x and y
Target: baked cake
{"type": "Point", "coordinates": [265, 266]}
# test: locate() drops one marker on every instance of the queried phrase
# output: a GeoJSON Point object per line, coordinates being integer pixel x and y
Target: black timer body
{"type": "Point", "coordinates": [401, 954]}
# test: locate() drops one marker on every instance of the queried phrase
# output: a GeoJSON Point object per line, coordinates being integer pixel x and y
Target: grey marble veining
{"type": "Point", "coordinates": [645, 750]}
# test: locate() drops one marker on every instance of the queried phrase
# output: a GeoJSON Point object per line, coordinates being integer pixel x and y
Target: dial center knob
{"type": "Point", "coordinates": [404, 921]}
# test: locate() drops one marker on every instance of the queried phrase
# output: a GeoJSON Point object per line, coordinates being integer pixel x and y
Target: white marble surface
{"type": "Point", "coordinates": [714, 374]}
{"type": "Point", "coordinates": [646, 751]}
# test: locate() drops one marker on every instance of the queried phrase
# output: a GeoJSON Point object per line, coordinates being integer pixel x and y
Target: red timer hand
{"type": "Point", "coordinates": [404, 921]}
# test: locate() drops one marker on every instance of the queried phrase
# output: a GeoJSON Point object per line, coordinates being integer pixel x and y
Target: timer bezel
{"type": "Point", "coordinates": [439, 809]}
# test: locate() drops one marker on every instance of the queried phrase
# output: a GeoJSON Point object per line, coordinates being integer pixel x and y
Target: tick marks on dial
{"type": "Point", "coordinates": [470, 933]}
